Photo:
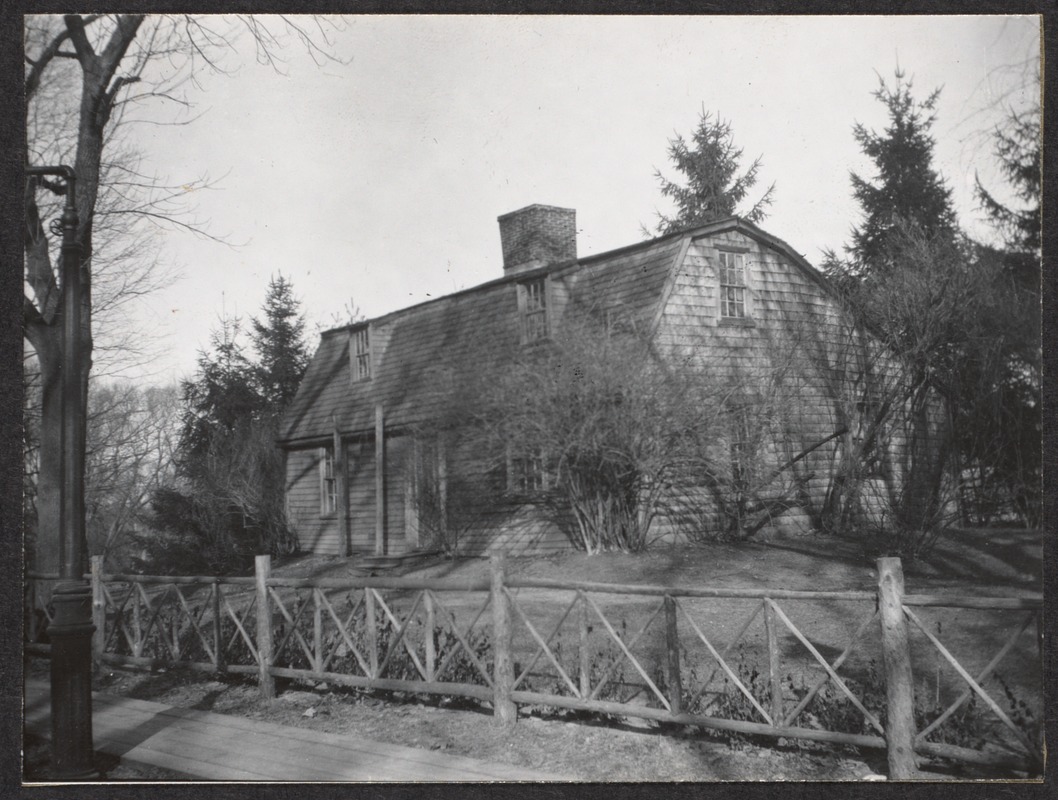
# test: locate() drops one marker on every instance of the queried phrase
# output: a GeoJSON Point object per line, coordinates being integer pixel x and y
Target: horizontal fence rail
{"type": "Point", "coordinates": [746, 661]}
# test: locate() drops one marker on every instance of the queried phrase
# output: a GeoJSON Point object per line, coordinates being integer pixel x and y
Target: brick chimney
{"type": "Point", "coordinates": [537, 235]}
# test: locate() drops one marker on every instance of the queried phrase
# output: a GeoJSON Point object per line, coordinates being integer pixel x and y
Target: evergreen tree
{"type": "Point", "coordinates": [222, 396]}
{"type": "Point", "coordinates": [1017, 148]}
{"type": "Point", "coordinates": [228, 503]}
{"type": "Point", "coordinates": [713, 187]}
{"type": "Point", "coordinates": [279, 340]}
{"type": "Point", "coordinates": [1001, 421]}
{"type": "Point", "coordinates": [907, 190]}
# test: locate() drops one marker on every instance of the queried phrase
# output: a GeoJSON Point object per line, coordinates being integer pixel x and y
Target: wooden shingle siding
{"type": "Point", "coordinates": [426, 358]}
{"type": "Point", "coordinates": [781, 300]}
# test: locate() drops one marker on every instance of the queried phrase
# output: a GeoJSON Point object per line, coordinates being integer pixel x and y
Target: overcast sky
{"type": "Point", "coordinates": [378, 181]}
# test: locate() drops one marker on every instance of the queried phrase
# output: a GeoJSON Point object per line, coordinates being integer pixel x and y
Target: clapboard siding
{"type": "Point", "coordinates": [320, 534]}
{"type": "Point", "coordinates": [316, 533]}
{"type": "Point", "coordinates": [360, 493]}
{"type": "Point", "coordinates": [485, 517]}
{"type": "Point", "coordinates": [399, 452]}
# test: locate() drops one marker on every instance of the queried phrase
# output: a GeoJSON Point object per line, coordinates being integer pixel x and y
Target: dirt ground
{"type": "Point", "coordinates": [584, 751]}
{"type": "Point", "coordinates": [993, 563]}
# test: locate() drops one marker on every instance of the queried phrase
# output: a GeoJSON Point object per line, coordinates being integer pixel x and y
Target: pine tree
{"type": "Point", "coordinates": [1017, 147]}
{"type": "Point", "coordinates": [279, 340]}
{"type": "Point", "coordinates": [1002, 424]}
{"type": "Point", "coordinates": [222, 396]}
{"type": "Point", "coordinates": [713, 187]}
{"type": "Point", "coordinates": [907, 190]}
{"type": "Point", "coordinates": [228, 503]}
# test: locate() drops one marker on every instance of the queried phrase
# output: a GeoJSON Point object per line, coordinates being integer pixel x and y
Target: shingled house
{"type": "Point", "coordinates": [361, 433]}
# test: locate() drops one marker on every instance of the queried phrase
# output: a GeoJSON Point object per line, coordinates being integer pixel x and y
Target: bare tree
{"type": "Point", "coordinates": [131, 438]}
{"type": "Point", "coordinates": [626, 444]}
{"type": "Point", "coordinates": [917, 353]}
{"type": "Point", "coordinates": [86, 78]}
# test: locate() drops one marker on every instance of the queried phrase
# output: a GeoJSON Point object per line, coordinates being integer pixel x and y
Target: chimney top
{"type": "Point", "coordinates": [536, 236]}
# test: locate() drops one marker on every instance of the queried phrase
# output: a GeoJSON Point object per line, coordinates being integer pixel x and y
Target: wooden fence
{"type": "Point", "coordinates": [689, 658]}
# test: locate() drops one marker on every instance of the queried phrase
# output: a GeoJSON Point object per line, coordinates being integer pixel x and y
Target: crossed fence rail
{"type": "Point", "coordinates": [719, 659]}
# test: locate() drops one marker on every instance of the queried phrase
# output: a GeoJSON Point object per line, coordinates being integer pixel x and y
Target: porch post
{"type": "Point", "coordinates": [380, 482]}
{"type": "Point", "coordinates": [339, 490]}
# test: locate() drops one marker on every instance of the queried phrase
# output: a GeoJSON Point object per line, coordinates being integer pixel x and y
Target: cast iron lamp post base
{"type": "Point", "coordinates": [73, 757]}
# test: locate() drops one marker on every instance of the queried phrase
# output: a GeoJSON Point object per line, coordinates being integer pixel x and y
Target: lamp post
{"type": "Point", "coordinates": [71, 628]}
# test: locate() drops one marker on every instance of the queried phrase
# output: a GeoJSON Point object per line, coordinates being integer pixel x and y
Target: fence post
{"type": "Point", "coordinates": [262, 569]}
{"type": "Point", "coordinates": [585, 654]}
{"type": "Point", "coordinates": [317, 631]}
{"type": "Point", "coordinates": [430, 645]}
{"type": "Point", "coordinates": [371, 631]}
{"type": "Point", "coordinates": [218, 641]}
{"type": "Point", "coordinates": [896, 656]}
{"type": "Point", "coordinates": [774, 664]}
{"type": "Point", "coordinates": [503, 664]}
{"type": "Point", "coordinates": [99, 608]}
{"type": "Point", "coordinates": [137, 629]}
{"type": "Point", "coordinates": [672, 648]}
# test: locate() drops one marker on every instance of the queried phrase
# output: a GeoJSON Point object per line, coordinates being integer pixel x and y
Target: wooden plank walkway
{"type": "Point", "coordinates": [207, 746]}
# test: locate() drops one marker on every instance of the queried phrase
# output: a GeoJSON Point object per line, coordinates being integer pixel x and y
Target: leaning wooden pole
{"type": "Point", "coordinates": [899, 687]}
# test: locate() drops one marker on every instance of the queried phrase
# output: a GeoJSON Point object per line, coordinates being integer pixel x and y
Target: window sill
{"type": "Point", "coordinates": [736, 322]}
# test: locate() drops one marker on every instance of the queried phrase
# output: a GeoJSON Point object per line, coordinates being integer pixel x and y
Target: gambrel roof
{"type": "Point", "coordinates": [419, 353]}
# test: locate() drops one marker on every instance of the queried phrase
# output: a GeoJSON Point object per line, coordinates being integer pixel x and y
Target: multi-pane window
{"type": "Point", "coordinates": [328, 484]}
{"type": "Point", "coordinates": [362, 353]}
{"type": "Point", "coordinates": [533, 303]}
{"type": "Point", "coordinates": [732, 285]}
{"type": "Point", "coordinates": [869, 451]}
{"type": "Point", "coordinates": [741, 436]}
{"type": "Point", "coordinates": [527, 473]}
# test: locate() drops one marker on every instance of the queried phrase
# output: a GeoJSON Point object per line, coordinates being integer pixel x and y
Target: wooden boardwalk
{"type": "Point", "coordinates": [218, 747]}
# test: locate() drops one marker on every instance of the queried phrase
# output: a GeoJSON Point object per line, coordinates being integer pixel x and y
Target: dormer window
{"type": "Point", "coordinates": [532, 306]}
{"type": "Point", "coordinates": [362, 354]}
{"type": "Point", "coordinates": [732, 285]}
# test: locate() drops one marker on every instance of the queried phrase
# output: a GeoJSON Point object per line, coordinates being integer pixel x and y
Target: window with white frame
{"type": "Point", "coordinates": [328, 483]}
{"type": "Point", "coordinates": [362, 353]}
{"type": "Point", "coordinates": [532, 302]}
{"type": "Point", "coordinates": [732, 285]}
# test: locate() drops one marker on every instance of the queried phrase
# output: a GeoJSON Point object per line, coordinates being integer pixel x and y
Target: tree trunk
{"type": "Point", "coordinates": [45, 553]}
{"type": "Point", "coordinates": [44, 329]}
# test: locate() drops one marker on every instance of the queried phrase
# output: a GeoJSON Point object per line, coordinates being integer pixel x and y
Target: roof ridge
{"type": "Point", "coordinates": [549, 269]}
